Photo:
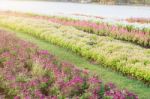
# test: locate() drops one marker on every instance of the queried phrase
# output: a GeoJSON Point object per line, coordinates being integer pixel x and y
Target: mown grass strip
{"type": "Point", "coordinates": [107, 75]}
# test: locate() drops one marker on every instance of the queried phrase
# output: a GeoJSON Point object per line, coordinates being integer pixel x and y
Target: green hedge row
{"type": "Point", "coordinates": [123, 57]}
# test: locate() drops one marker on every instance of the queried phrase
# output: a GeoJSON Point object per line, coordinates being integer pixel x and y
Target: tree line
{"type": "Point", "coordinates": [145, 2]}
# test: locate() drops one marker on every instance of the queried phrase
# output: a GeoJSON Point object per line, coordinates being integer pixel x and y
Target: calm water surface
{"type": "Point", "coordinates": [53, 8]}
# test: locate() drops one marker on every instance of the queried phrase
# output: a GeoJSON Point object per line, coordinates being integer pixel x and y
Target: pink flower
{"type": "Point", "coordinates": [16, 97]}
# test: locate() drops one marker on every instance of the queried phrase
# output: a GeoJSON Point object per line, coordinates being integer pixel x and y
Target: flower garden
{"type": "Point", "coordinates": [130, 33]}
{"type": "Point", "coordinates": [139, 20]}
{"type": "Point", "coordinates": [27, 72]}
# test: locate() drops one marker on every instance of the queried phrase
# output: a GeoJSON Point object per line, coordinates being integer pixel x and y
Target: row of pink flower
{"type": "Point", "coordinates": [131, 20]}
{"type": "Point", "coordinates": [90, 16]}
{"type": "Point", "coordinates": [128, 33]}
{"type": "Point", "coordinates": [29, 73]}
{"type": "Point", "coordinates": [139, 20]}
{"type": "Point", "coordinates": [125, 33]}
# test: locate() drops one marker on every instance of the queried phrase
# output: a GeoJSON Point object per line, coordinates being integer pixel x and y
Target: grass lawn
{"type": "Point", "coordinates": [106, 75]}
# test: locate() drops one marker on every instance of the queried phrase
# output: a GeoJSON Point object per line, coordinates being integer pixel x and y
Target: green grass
{"type": "Point", "coordinates": [106, 75]}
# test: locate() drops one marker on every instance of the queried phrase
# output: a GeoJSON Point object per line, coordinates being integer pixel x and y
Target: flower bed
{"type": "Point", "coordinates": [123, 57]}
{"type": "Point", "coordinates": [139, 20]}
{"type": "Point", "coordinates": [89, 16]}
{"type": "Point", "coordinates": [27, 72]}
{"type": "Point", "coordinates": [125, 33]}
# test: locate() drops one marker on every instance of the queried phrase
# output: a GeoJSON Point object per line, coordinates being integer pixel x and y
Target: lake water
{"type": "Point", "coordinates": [53, 8]}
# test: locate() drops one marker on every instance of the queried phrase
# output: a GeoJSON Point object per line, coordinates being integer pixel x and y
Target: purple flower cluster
{"type": "Point", "coordinates": [31, 73]}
